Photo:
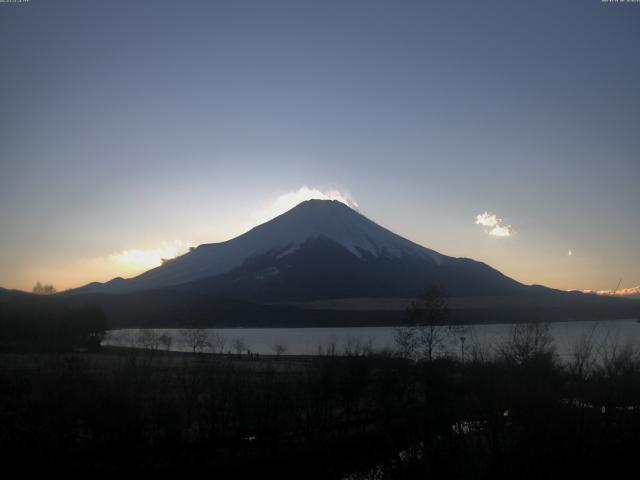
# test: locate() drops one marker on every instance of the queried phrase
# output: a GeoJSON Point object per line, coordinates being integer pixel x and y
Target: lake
{"type": "Point", "coordinates": [311, 341]}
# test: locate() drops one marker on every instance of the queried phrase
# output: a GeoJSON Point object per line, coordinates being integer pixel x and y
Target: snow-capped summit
{"type": "Point", "coordinates": [335, 221]}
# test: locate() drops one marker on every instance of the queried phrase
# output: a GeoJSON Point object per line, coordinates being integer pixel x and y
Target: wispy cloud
{"type": "Point", "coordinates": [288, 200]}
{"type": "Point", "coordinates": [494, 225]}
{"type": "Point", "coordinates": [291, 199]}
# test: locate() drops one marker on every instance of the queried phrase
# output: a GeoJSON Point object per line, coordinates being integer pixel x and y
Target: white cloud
{"type": "Point", "coordinates": [125, 263]}
{"type": "Point", "coordinates": [570, 253]}
{"type": "Point", "coordinates": [143, 259]}
{"type": "Point", "coordinates": [622, 292]}
{"type": "Point", "coordinates": [486, 219]}
{"type": "Point", "coordinates": [629, 292]}
{"type": "Point", "coordinates": [494, 225]}
{"type": "Point", "coordinates": [288, 200]}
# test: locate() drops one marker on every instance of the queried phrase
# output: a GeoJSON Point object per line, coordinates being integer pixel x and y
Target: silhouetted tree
{"type": "Point", "coordinates": [166, 340]}
{"type": "Point", "coordinates": [527, 342]}
{"type": "Point", "coordinates": [148, 339]}
{"type": "Point", "coordinates": [194, 338]}
{"type": "Point", "coordinates": [426, 333]}
{"type": "Point", "coordinates": [45, 289]}
{"type": "Point", "coordinates": [239, 345]}
{"type": "Point", "coordinates": [279, 349]}
{"type": "Point", "coordinates": [216, 342]}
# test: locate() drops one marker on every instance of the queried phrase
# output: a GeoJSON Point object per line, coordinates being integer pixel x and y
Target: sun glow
{"type": "Point", "coordinates": [138, 260]}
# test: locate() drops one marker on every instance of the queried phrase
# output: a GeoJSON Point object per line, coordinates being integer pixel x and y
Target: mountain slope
{"type": "Point", "coordinates": [321, 268]}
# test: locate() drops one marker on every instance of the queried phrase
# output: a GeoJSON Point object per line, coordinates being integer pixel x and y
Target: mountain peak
{"type": "Point", "coordinates": [318, 205]}
{"type": "Point", "coordinates": [319, 201]}
{"type": "Point", "coordinates": [312, 207]}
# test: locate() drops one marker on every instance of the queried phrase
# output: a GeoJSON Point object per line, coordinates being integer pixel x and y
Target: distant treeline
{"type": "Point", "coordinates": [46, 323]}
{"type": "Point", "coordinates": [157, 309]}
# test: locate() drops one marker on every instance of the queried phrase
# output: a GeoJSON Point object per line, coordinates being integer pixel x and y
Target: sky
{"type": "Point", "coordinates": [503, 131]}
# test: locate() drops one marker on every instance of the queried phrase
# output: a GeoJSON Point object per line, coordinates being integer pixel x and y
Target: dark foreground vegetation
{"type": "Point", "coordinates": [514, 414]}
{"type": "Point", "coordinates": [515, 411]}
{"type": "Point", "coordinates": [38, 323]}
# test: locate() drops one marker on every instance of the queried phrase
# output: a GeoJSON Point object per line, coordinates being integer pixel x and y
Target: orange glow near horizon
{"type": "Point", "coordinates": [130, 262]}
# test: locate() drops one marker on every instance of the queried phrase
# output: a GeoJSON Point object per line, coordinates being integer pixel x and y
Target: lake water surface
{"type": "Point", "coordinates": [311, 341]}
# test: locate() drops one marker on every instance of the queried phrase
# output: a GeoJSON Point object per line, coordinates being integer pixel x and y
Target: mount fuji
{"type": "Point", "coordinates": [320, 249]}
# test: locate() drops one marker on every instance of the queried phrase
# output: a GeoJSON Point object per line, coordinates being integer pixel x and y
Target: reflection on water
{"type": "Point", "coordinates": [311, 341]}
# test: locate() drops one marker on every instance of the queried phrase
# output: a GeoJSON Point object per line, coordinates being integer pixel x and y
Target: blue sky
{"type": "Point", "coordinates": [145, 127]}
